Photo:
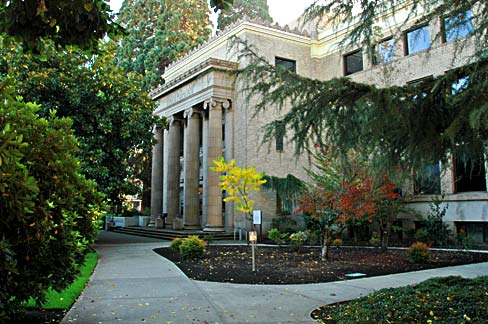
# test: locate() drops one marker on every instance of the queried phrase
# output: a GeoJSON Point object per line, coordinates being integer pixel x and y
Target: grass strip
{"type": "Point", "coordinates": [66, 298]}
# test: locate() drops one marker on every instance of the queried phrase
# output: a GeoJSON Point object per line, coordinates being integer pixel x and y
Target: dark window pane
{"type": "Point", "coordinates": [353, 62]}
{"type": "Point", "coordinates": [418, 40]}
{"type": "Point", "coordinates": [286, 64]}
{"type": "Point", "coordinates": [428, 180]}
{"type": "Point", "coordinates": [470, 175]}
{"type": "Point", "coordinates": [280, 134]}
{"type": "Point", "coordinates": [458, 26]}
{"type": "Point", "coordinates": [384, 52]}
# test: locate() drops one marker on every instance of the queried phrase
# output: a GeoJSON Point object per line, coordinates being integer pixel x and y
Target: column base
{"type": "Point", "coordinates": [178, 223]}
{"type": "Point", "coordinates": [152, 223]}
{"type": "Point", "coordinates": [214, 228]}
{"type": "Point", "coordinates": [192, 227]}
{"type": "Point", "coordinates": [159, 223]}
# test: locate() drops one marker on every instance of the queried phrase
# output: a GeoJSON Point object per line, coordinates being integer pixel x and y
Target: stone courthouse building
{"type": "Point", "coordinates": [209, 115]}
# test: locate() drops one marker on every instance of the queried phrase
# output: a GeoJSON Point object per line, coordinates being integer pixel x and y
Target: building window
{"type": "Point", "coordinates": [353, 62]}
{"type": "Point", "coordinates": [384, 52]}
{"type": "Point", "coordinates": [289, 65]}
{"type": "Point", "coordinates": [428, 180]}
{"type": "Point", "coordinates": [417, 40]}
{"type": "Point", "coordinates": [473, 232]}
{"type": "Point", "coordinates": [470, 175]}
{"type": "Point", "coordinates": [457, 26]}
{"type": "Point", "coordinates": [280, 134]}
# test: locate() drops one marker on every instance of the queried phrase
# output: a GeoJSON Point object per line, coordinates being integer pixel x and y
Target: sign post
{"type": "Point", "coordinates": [257, 219]}
{"type": "Point", "coordinates": [253, 237]}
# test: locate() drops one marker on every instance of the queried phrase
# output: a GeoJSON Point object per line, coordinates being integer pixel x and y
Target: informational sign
{"type": "Point", "coordinates": [257, 217]}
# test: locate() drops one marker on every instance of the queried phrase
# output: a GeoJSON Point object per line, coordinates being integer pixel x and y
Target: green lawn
{"type": "Point", "coordinates": [66, 298]}
{"type": "Point", "coordinates": [450, 300]}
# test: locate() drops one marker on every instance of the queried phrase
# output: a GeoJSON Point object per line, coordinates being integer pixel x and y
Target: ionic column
{"type": "Point", "coordinates": [204, 165]}
{"type": "Point", "coordinates": [157, 177]}
{"type": "Point", "coordinates": [191, 209]}
{"type": "Point", "coordinates": [173, 182]}
{"type": "Point", "coordinates": [229, 155]}
{"type": "Point", "coordinates": [214, 150]}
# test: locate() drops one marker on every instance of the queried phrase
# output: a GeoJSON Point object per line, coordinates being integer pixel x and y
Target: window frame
{"type": "Point", "coordinates": [406, 51]}
{"type": "Point", "coordinates": [444, 30]}
{"type": "Point", "coordinates": [344, 64]}
{"type": "Point", "coordinates": [282, 59]}
{"type": "Point", "coordinates": [393, 52]}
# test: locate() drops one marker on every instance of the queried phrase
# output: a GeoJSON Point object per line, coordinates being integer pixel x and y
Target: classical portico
{"type": "Point", "coordinates": [197, 106]}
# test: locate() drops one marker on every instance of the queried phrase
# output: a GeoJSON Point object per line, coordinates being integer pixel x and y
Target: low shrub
{"type": "Point", "coordinates": [298, 239]}
{"type": "Point", "coordinates": [450, 300]}
{"type": "Point", "coordinates": [337, 242]}
{"type": "Point", "coordinates": [208, 238]}
{"type": "Point", "coordinates": [175, 244]}
{"type": "Point", "coordinates": [421, 235]}
{"type": "Point", "coordinates": [277, 236]}
{"type": "Point", "coordinates": [192, 247]}
{"type": "Point", "coordinates": [418, 252]}
{"type": "Point", "coordinates": [375, 239]}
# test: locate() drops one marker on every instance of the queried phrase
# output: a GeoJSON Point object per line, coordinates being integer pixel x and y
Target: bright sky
{"type": "Point", "coordinates": [282, 11]}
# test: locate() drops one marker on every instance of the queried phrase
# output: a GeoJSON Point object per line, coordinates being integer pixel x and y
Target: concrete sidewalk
{"type": "Point", "coordinates": [132, 284]}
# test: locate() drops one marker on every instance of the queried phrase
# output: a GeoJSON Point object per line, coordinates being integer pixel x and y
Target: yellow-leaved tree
{"type": "Point", "coordinates": [238, 183]}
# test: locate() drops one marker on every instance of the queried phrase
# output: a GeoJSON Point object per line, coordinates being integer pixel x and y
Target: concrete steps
{"type": "Point", "coordinates": [169, 234]}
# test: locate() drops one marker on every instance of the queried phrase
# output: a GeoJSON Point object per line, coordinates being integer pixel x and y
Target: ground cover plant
{"type": "Point", "coordinates": [289, 265]}
{"type": "Point", "coordinates": [450, 300]}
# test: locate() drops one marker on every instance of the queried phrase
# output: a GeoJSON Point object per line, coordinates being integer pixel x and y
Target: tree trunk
{"type": "Point", "coordinates": [325, 245]}
{"type": "Point", "coordinates": [385, 235]}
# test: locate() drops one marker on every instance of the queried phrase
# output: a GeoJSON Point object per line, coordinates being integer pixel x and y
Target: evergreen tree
{"type": "Point", "coordinates": [158, 33]}
{"type": "Point", "coordinates": [111, 116]}
{"type": "Point", "coordinates": [254, 9]}
{"type": "Point", "coordinates": [398, 127]}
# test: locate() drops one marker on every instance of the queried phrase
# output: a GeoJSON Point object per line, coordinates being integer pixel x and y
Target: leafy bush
{"type": "Point", "coordinates": [438, 232]}
{"type": "Point", "coordinates": [176, 244]}
{"type": "Point", "coordinates": [337, 242]}
{"type": "Point", "coordinates": [208, 238]}
{"type": "Point", "coordinates": [298, 239]}
{"type": "Point", "coordinates": [421, 235]}
{"type": "Point", "coordinates": [276, 236]}
{"type": "Point", "coordinates": [192, 247]}
{"type": "Point", "coordinates": [48, 209]}
{"type": "Point", "coordinates": [450, 300]}
{"type": "Point", "coordinates": [418, 252]}
{"type": "Point", "coordinates": [375, 239]}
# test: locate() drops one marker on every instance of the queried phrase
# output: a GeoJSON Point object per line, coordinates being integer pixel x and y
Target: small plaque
{"type": "Point", "coordinates": [253, 236]}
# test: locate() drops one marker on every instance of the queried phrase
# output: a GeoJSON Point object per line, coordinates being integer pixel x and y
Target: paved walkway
{"type": "Point", "coordinates": [132, 284]}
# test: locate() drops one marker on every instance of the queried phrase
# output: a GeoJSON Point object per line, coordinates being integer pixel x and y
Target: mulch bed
{"type": "Point", "coordinates": [284, 265]}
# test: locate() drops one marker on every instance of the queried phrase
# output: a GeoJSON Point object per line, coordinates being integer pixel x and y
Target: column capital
{"type": "Point", "coordinates": [190, 112]}
{"type": "Point", "coordinates": [216, 103]}
{"type": "Point", "coordinates": [172, 120]}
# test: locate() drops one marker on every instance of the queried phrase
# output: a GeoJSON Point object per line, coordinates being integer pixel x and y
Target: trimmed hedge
{"type": "Point", "coordinates": [450, 300]}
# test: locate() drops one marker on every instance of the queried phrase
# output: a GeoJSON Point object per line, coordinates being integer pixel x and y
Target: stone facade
{"type": "Point", "coordinates": [211, 115]}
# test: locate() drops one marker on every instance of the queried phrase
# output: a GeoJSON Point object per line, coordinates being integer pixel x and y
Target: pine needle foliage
{"type": "Point", "coordinates": [254, 9]}
{"type": "Point", "coordinates": [399, 126]}
{"type": "Point", "coordinates": [160, 32]}
{"type": "Point", "coordinates": [288, 189]}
